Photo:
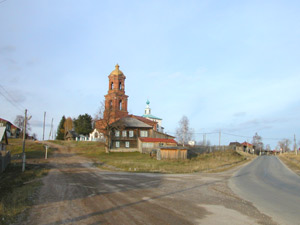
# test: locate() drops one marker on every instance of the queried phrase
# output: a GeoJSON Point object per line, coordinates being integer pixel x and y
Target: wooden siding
{"type": "Point", "coordinates": [173, 153]}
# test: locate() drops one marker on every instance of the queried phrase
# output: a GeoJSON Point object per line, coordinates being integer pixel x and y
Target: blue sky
{"type": "Point", "coordinates": [227, 65]}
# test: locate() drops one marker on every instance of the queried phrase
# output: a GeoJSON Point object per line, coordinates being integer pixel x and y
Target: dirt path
{"type": "Point", "coordinates": [76, 192]}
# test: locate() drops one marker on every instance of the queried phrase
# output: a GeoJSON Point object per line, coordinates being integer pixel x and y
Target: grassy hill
{"type": "Point", "coordinates": [137, 162]}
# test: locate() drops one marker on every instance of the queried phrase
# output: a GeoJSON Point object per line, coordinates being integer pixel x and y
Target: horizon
{"type": "Point", "coordinates": [228, 66]}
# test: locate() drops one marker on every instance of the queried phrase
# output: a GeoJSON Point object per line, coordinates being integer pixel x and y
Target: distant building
{"type": "Point", "coordinates": [96, 135]}
{"type": "Point", "coordinates": [192, 143]}
{"type": "Point", "coordinates": [11, 130]}
{"type": "Point", "coordinates": [71, 135]}
{"type": "Point", "coordinates": [156, 119]}
{"type": "Point", "coordinates": [247, 147]}
{"type": "Point", "coordinates": [82, 137]}
{"type": "Point", "coordinates": [125, 129]}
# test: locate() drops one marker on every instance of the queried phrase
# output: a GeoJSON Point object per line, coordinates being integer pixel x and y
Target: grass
{"type": "Point", "coordinates": [292, 161]}
{"type": "Point", "coordinates": [17, 188]}
{"type": "Point", "coordinates": [137, 162]}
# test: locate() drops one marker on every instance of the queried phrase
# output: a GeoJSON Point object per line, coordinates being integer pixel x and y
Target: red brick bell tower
{"type": "Point", "coordinates": [116, 100]}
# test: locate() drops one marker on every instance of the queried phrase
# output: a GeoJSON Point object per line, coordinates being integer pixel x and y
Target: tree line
{"type": "Point", "coordinates": [83, 124]}
{"type": "Point", "coordinates": [184, 134]}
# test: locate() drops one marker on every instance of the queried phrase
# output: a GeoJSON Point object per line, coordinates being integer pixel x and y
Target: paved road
{"type": "Point", "coordinates": [76, 192]}
{"type": "Point", "coordinates": [272, 187]}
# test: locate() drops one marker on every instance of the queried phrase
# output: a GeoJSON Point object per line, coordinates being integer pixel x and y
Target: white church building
{"type": "Point", "coordinates": [149, 116]}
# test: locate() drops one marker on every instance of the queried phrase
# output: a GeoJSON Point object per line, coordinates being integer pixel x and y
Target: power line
{"type": "Point", "coordinates": [235, 135]}
{"type": "Point", "coordinates": [3, 1]}
{"type": "Point", "coordinates": [11, 101]}
{"type": "Point", "coordinates": [11, 97]}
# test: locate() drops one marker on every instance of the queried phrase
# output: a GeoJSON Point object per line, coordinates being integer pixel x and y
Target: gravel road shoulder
{"type": "Point", "coordinates": [76, 192]}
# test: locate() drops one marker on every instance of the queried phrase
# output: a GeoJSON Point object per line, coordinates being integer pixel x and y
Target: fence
{"type": "Point", "coordinates": [199, 149]}
{"type": "Point", "coordinates": [4, 160]}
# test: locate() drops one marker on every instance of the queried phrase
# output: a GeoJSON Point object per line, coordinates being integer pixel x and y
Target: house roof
{"type": "Point", "coordinates": [72, 133]}
{"type": "Point", "coordinates": [165, 134]}
{"type": "Point", "coordinates": [235, 143]}
{"type": "Point", "coordinates": [12, 125]}
{"type": "Point", "coordinates": [131, 122]}
{"type": "Point", "coordinates": [164, 140]}
{"type": "Point", "coordinates": [246, 144]}
{"type": "Point", "coordinates": [144, 120]}
{"type": "Point", "coordinates": [1, 119]}
{"type": "Point", "coordinates": [151, 116]}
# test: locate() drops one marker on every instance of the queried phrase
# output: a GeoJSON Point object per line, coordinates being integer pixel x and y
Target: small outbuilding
{"type": "Point", "coordinates": [175, 152]}
{"type": "Point", "coordinates": [247, 147]}
{"type": "Point", "coordinates": [71, 135]}
{"type": "Point", "coordinates": [146, 144]}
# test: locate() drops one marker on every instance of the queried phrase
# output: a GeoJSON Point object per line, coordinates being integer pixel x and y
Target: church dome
{"type": "Point", "coordinates": [117, 71]}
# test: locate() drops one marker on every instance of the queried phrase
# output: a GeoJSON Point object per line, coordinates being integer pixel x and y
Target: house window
{"type": "Point", "coordinates": [124, 133]}
{"type": "Point", "coordinates": [110, 104]}
{"type": "Point", "coordinates": [120, 104]}
{"type": "Point", "coordinates": [111, 85]}
{"type": "Point", "coordinates": [117, 144]}
{"type": "Point", "coordinates": [127, 144]}
{"type": "Point", "coordinates": [131, 133]}
{"type": "Point", "coordinates": [117, 133]}
{"type": "Point", "coordinates": [120, 86]}
{"type": "Point", "coordinates": [144, 133]}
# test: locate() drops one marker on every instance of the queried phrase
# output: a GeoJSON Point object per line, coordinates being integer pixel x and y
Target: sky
{"type": "Point", "coordinates": [229, 66]}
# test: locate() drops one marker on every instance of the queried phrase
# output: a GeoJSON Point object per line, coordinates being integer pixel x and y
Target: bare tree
{"type": "Point", "coordinates": [19, 122]}
{"type": "Point", "coordinates": [257, 142]}
{"type": "Point", "coordinates": [105, 123]}
{"type": "Point", "coordinates": [284, 145]}
{"type": "Point", "coordinates": [99, 114]}
{"type": "Point", "coordinates": [268, 147]}
{"type": "Point", "coordinates": [184, 133]}
{"type": "Point", "coordinates": [100, 111]}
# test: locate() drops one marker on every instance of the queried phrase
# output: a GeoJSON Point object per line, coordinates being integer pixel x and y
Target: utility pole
{"type": "Point", "coordinates": [24, 136]}
{"type": "Point", "coordinates": [295, 145]}
{"type": "Point", "coordinates": [51, 130]}
{"type": "Point", "coordinates": [44, 126]}
{"type": "Point", "coordinates": [204, 139]}
{"type": "Point", "coordinates": [219, 140]}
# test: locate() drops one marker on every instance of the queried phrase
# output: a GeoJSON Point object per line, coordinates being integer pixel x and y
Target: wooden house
{"type": "Point", "coordinates": [71, 135]}
{"type": "Point", "coordinates": [11, 130]}
{"type": "Point", "coordinates": [125, 134]}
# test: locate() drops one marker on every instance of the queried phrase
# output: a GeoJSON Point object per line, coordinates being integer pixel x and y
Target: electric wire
{"type": "Point", "coordinates": [11, 102]}
{"type": "Point", "coordinates": [3, 1]}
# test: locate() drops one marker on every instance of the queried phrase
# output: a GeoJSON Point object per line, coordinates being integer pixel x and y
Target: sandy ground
{"type": "Point", "coordinates": [76, 192]}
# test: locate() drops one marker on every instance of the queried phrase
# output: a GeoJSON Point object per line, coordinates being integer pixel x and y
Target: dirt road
{"type": "Point", "coordinates": [76, 192]}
